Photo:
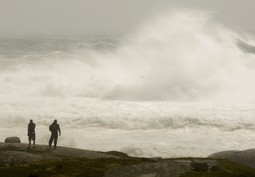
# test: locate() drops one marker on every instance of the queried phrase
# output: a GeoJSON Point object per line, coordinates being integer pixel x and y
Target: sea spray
{"type": "Point", "coordinates": [176, 85]}
{"type": "Point", "coordinates": [180, 57]}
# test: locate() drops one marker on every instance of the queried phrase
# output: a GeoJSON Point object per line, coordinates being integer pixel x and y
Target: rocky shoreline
{"type": "Point", "coordinates": [18, 161]}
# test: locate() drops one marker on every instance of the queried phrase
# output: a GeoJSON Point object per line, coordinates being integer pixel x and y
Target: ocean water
{"type": "Point", "coordinates": [180, 85]}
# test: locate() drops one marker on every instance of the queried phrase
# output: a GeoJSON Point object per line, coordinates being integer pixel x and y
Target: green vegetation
{"type": "Point", "coordinates": [78, 167]}
{"type": "Point", "coordinates": [9, 148]}
{"type": "Point", "coordinates": [228, 169]}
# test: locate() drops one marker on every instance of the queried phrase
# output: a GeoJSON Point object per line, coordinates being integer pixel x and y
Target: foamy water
{"type": "Point", "coordinates": [178, 86]}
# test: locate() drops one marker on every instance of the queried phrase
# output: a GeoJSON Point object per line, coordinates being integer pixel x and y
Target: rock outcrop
{"type": "Point", "coordinates": [246, 157]}
{"type": "Point", "coordinates": [17, 160]}
{"type": "Point", "coordinates": [13, 139]}
{"type": "Point", "coordinates": [165, 168]}
{"type": "Point", "coordinates": [18, 154]}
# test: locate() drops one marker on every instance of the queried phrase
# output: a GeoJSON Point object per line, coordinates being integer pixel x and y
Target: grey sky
{"type": "Point", "coordinates": [109, 16]}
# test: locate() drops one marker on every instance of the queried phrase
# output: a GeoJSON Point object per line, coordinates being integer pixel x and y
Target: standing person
{"type": "Point", "coordinates": [55, 129]}
{"type": "Point", "coordinates": [31, 133]}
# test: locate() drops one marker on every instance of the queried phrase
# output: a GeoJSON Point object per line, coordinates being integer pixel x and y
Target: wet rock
{"type": "Point", "coordinates": [116, 153]}
{"type": "Point", "coordinates": [199, 166]}
{"type": "Point", "coordinates": [217, 168]}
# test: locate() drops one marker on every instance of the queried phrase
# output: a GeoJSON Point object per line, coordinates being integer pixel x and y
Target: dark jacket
{"type": "Point", "coordinates": [55, 128]}
{"type": "Point", "coordinates": [30, 129]}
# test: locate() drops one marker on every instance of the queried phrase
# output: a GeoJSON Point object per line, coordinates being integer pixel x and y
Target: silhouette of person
{"type": "Point", "coordinates": [31, 133]}
{"type": "Point", "coordinates": [55, 131]}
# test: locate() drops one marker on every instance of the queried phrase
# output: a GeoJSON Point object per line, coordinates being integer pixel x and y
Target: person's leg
{"type": "Point", "coordinates": [51, 139]}
{"type": "Point", "coordinates": [55, 141]}
{"type": "Point", "coordinates": [29, 142]}
{"type": "Point", "coordinates": [34, 140]}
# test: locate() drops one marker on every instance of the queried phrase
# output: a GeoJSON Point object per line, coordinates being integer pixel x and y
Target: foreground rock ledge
{"type": "Point", "coordinates": [17, 160]}
{"type": "Point", "coordinates": [18, 154]}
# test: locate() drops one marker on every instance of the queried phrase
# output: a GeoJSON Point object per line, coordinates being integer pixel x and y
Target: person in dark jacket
{"type": "Point", "coordinates": [55, 131]}
{"type": "Point", "coordinates": [31, 133]}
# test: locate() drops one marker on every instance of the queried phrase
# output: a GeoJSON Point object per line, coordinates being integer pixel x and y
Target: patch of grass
{"type": "Point", "coordinates": [9, 148]}
{"type": "Point", "coordinates": [17, 149]}
{"type": "Point", "coordinates": [78, 167]}
{"type": "Point", "coordinates": [237, 169]}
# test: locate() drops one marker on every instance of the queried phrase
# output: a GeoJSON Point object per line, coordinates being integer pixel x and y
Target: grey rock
{"type": "Point", "coordinates": [165, 168]}
{"type": "Point", "coordinates": [217, 168]}
{"type": "Point", "coordinates": [199, 166]}
{"type": "Point", "coordinates": [13, 139]}
{"type": "Point", "coordinates": [61, 151]}
{"type": "Point", "coordinates": [116, 153]}
{"type": "Point", "coordinates": [245, 157]}
{"type": "Point", "coordinates": [14, 158]}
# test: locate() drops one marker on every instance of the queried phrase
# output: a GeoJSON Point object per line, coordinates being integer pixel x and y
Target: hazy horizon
{"type": "Point", "coordinates": [110, 17]}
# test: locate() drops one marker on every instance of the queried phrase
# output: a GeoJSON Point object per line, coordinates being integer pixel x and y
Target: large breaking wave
{"type": "Point", "coordinates": [181, 85]}
{"type": "Point", "coordinates": [180, 57]}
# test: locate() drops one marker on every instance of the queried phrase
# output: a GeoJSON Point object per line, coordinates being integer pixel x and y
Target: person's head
{"type": "Point", "coordinates": [55, 121]}
{"type": "Point", "coordinates": [31, 121]}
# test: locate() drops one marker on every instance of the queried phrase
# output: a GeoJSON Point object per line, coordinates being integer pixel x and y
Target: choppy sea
{"type": "Point", "coordinates": [179, 86]}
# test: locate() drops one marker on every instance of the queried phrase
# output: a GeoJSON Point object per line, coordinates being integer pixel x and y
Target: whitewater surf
{"type": "Point", "coordinates": [178, 86]}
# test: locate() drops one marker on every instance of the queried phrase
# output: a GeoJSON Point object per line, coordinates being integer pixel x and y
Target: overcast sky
{"type": "Point", "coordinates": [110, 16]}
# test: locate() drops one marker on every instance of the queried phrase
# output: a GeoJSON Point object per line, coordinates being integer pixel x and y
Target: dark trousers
{"type": "Point", "coordinates": [55, 138]}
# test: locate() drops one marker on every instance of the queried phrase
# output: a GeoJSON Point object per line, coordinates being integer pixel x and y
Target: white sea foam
{"type": "Point", "coordinates": [179, 86]}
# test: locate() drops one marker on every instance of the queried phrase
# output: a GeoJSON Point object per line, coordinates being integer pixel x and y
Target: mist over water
{"type": "Point", "coordinates": [179, 73]}
{"type": "Point", "coordinates": [181, 56]}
